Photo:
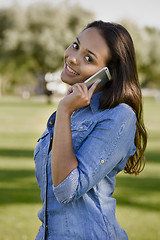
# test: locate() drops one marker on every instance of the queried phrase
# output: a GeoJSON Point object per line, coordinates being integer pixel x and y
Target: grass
{"type": "Point", "coordinates": [21, 123]}
{"type": "Point", "coordinates": [138, 198]}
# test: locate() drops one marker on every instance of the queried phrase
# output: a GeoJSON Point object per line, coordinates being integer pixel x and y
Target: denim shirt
{"type": "Point", "coordinates": [81, 207]}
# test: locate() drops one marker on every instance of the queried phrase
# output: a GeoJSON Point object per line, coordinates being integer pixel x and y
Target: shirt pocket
{"type": "Point", "coordinates": [80, 131]}
{"type": "Point", "coordinates": [40, 143]}
{"type": "Point", "coordinates": [39, 160]}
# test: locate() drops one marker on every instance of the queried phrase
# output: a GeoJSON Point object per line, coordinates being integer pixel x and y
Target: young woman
{"type": "Point", "coordinates": [91, 137]}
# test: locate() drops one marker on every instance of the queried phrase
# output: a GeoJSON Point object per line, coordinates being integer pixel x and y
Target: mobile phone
{"type": "Point", "coordinates": [103, 75]}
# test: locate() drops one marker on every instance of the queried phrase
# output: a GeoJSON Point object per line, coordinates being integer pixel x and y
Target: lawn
{"type": "Point", "coordinates": [21, 123]}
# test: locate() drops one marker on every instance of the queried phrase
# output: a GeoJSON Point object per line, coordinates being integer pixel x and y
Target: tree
{"type": "Point", "coordinates": [33, 40]}
{"type": "Point", "coordinates": [147, 46]}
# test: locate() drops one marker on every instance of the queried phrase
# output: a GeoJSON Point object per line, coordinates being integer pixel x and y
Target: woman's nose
{"type": "Point", "coordinates": [73, 59]}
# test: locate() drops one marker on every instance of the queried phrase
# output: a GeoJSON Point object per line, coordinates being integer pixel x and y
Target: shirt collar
{"type": "Point", "coordinates": [94, 103]}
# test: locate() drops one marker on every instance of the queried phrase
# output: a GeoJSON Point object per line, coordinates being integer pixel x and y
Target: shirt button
{"type": "Point", "coordinates": [50, 122]}
{"type": "Point", "coordinates": [102, 161]}
{"type": "Point", "coordinates": [81, 127]}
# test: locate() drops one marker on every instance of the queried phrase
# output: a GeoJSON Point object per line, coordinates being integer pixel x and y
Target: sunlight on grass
{"type": "Point", "coordinates": [19, 221]}
{"type": "Point", "coordinates": [21, 124]}
{"type": "Point", "coordinates": [140, 224]}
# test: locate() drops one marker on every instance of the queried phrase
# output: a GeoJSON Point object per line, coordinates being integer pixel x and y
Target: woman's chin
{"type": "Point", "coordinates": [65, 79]}
{"type": "Point", "coordinates": [71, 80]}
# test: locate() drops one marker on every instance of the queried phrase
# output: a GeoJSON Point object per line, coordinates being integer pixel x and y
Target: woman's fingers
{"type": "Point", "coordinates": [82, 87]}
{"type": "Point", "coordinates": [76, 87]}
{"type": "Point", "coordinates": [78, 96]}
{"type": "Point", "coordinates": [93, 87]}
{"type": "Point", "coordinates": [69, 91]}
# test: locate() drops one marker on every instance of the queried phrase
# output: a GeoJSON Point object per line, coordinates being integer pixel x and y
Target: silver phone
{"type": "Point", "coordinates": [103, 75]}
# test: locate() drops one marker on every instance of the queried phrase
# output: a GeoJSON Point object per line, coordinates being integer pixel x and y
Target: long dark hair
{"type": "Point", "coordinates": [124, 87]}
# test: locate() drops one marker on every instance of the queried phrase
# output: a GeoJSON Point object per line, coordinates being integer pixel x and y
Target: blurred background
{"type": "Point", "coordinates": [33, 37]}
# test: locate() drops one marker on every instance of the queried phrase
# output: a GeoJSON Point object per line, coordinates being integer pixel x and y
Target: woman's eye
{"type": "Point", "coordinates": [75, 45]}
{"type": "Point", "coordinates": [88, 58]}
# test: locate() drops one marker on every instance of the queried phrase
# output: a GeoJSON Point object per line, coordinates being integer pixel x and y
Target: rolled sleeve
{"type": "Point", "coordinates": [110, 143]}
{"type": "Point", "coordinates": [65, 191]}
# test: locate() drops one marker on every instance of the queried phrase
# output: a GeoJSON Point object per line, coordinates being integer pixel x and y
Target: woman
{"type": "Point", "coordinates": [96, 134]}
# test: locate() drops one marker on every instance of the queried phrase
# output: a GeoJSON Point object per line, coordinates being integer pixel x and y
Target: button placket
{"type": "Point", "coordinates": [46, 185]}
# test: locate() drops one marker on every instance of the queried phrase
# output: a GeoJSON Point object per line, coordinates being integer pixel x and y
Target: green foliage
{"type": "Point", "coordinates": [147, 46]}
{"type": "Point", "coordinates": [33, 40]}
{"type": "Point", "coordinates": [138, 198]}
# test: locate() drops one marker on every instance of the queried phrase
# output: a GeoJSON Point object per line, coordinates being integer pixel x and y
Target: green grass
{"type": "Point", "coordinates": [21, 123]}
{"type": "Point", "coordinates": [138, 198]}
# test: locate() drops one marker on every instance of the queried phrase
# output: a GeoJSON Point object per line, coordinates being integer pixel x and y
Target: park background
{"type": "Point", "coordinates": [33, 37]}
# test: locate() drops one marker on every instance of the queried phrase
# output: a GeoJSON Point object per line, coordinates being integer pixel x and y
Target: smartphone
{"type": "Point", "coordinates": [103, 75]}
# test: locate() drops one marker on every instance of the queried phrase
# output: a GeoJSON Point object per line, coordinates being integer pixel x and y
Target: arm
{"type": "Point", "coordinates": [105, 151]}
{"type": "Point", "coordinates": [63, 159]}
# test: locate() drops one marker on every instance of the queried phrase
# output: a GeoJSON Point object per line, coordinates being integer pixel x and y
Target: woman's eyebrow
{"type": "Point", "coordinates": [86, 49]}
{"type": "Point", "coordinates": [78, 40]}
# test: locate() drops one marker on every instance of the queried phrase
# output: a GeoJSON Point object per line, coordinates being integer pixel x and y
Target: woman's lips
{"type": "Point", "coordinates": [70, 71]}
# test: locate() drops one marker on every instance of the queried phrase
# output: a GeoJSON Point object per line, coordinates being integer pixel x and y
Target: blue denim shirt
{"type": "Point", "coordinates": [81, 207]}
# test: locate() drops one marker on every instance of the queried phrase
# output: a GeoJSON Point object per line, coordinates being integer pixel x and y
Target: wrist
{"type": "Point", "coordinates": [64, 109]}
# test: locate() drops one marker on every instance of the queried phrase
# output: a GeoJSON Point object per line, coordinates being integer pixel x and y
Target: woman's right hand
{"type": "Point", "coordinates": [77, 96]}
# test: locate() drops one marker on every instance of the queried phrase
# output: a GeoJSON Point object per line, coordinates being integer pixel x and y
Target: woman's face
{"type": "Point", "coordinates": [84, 57]}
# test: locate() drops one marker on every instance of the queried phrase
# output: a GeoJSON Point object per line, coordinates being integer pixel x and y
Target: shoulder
{"type": "Point", "coordinates": [121, 115]}
{"type": "Point", "coordinates": [121, 111]}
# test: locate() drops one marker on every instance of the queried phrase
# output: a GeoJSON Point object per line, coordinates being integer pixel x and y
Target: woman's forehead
{"type": "Point", "coordinates": [92, 40]}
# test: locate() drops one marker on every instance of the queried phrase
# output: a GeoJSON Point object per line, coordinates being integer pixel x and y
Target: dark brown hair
{"type": "Point", "coordinates": [124, 87]}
